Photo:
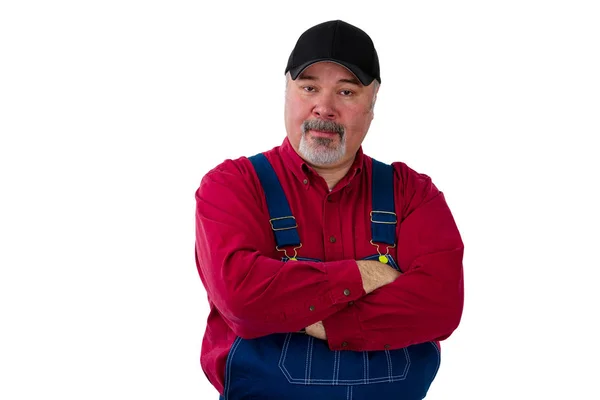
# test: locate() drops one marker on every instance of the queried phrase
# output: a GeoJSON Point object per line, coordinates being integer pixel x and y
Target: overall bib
{"type": "Point", "coordinates": [296, 366]}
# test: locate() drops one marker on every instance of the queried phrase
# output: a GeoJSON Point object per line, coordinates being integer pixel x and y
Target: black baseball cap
{"type": "Point", "coordinates": [340, 42]}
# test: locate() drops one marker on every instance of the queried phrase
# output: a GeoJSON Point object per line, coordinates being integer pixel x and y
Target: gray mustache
{"type": "Point", "coordinates": [320, 125]}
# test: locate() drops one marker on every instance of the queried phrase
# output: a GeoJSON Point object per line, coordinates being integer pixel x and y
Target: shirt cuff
{"type": "Point", "coordinates": [345, 281]}
{"type": "Point", "coordinates": [343, 330]}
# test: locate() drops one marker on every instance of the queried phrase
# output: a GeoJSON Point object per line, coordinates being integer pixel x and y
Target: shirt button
{"type": "Point", "coordinates": [305, 181]}
{"type": "Point", "coordinates": [344, 344]}
{"type": "Point", "coordinates": [350, 303]}
{"type": "Point", "coordinates": [346, 292]}
{"type": "Point", "coordinates": [311, 308]}
{"type": "Point", "coordinates": [387, 346]}
{"type": "Point", "coordinates": [332, 239]}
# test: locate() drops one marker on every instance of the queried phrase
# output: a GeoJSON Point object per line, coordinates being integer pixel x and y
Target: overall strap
{"type": "Point", "coordinates": [282, 221]}
{"type": "Point", "coordinates": [383, 215]}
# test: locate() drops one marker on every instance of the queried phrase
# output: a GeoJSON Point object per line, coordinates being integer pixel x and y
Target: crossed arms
{"type": "Point", "coordinates": [363, 305]}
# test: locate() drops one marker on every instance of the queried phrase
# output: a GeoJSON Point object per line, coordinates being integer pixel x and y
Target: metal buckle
{"type": "Point", "coordinates": [383, 258]}
{"type": "Point", "coordinates": [292, 258]}
{"type": "Point", "coordinates": [280, 218]}
{"type": "Point", "coordinates": [387, 248]}
{"type": "Point", "coordinates": [384, 222]}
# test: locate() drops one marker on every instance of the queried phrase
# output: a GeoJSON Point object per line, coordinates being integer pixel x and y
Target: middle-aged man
{"type": "Point", "coordinates": [329, 274]}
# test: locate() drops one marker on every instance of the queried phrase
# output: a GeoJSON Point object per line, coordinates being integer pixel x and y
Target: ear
{"type": "Point", "coordinates": [375, 92]}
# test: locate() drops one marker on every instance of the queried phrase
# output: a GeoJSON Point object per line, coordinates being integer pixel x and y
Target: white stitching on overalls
{"type": "Point", "coordinates": [365, 367]}
{"type": "Point", "coordinates": [439, 360]}
{"type": "Point", "coordinates": [308, 360]}
{"type": "Point", "coordinates": [336, 366]}
{"type": "Point", "coordinates": [389, 362]}
{"type": "Point", "coordinates": [407, 355]}
{"type": "Point", "coordinates": [232, 351]}
{"type": "Point", "coordinates": [284, 355]}
{"type": "Point", "coordinates": [286, 345]}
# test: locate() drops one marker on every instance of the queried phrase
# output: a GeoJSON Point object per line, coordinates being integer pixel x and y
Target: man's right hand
{"type": "Point", "coordinates": [376, 274]}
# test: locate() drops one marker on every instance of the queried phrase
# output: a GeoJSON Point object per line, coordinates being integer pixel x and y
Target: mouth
{"type": "Point", "coordinates": [327, 134]}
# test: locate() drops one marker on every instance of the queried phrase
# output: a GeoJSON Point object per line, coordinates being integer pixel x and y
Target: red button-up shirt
{"type": "Point", "coordinates": [252, 292]}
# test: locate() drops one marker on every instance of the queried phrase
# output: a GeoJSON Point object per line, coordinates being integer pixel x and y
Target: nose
{"type": "Point", "coordinates": [325, 108]}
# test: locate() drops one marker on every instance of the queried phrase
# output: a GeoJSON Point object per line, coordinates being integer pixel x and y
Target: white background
{"type": "Point", "coordinates": [112, 111]}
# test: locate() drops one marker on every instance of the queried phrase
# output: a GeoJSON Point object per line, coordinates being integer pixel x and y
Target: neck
{"type": "Point", "coordinates": [332, 175]}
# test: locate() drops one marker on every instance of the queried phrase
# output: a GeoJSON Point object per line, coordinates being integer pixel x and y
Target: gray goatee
{"type": "Point", "coordinates": [322, 150]}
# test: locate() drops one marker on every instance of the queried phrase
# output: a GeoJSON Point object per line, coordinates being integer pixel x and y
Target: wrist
{"type": "Point", "coordinates": [375, 274]}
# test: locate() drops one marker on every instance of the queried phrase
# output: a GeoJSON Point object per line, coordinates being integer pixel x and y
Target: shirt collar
{"type": "Point", "coordinates": [303, 171]}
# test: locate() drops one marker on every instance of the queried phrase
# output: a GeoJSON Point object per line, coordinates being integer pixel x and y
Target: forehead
{"type": "Point", "coordinates": [328, 70]}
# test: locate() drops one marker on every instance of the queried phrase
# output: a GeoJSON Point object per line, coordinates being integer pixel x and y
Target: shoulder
{"type": "Point", "coordinates": [412, 188]}
{"type": "Point", "coordinates": [228, 171]}
{"type": "Point", "coordinates": [410, 178]}
{"type": "Point", "coordinates": [407, 178]}
{"type": "Point", "coordinates": [232, 175]}
{"type": "Point", "coordinates": [228, 187]}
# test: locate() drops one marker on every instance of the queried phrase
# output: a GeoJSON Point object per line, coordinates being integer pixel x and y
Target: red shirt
{"type": "Point", "coordinates": [252, 292]}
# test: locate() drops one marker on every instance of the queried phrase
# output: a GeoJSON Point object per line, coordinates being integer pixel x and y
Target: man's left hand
{"type": "Point", "coordinates": [317, 330]}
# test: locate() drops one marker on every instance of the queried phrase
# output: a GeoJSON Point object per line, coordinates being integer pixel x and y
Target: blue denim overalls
{"type": "Point", "coordinates": [296, 366]}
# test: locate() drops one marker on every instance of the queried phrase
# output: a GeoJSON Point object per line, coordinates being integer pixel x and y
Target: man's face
{"type": "Point", "coordinates": [327, 114]}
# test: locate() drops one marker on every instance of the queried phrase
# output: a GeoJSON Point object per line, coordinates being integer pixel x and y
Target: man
{"type": "Point", "coordinates": [329, 275]}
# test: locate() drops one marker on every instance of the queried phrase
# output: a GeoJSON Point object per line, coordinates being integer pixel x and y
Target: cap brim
{"type": "Point", "coordinates": [364, 78]}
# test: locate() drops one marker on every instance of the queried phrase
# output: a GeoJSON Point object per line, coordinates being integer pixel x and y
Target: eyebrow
{"type": "Point", "coordinates": [353, 81]}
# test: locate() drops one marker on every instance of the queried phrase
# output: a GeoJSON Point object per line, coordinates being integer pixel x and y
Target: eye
{"type": "Point", "coordinates": [346, 92]}
{"type": "Point", "coordinates": [309, 88]}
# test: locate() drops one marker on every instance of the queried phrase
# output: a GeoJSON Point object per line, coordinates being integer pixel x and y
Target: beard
{"type": "Point", "coordinates": [322, 151]}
